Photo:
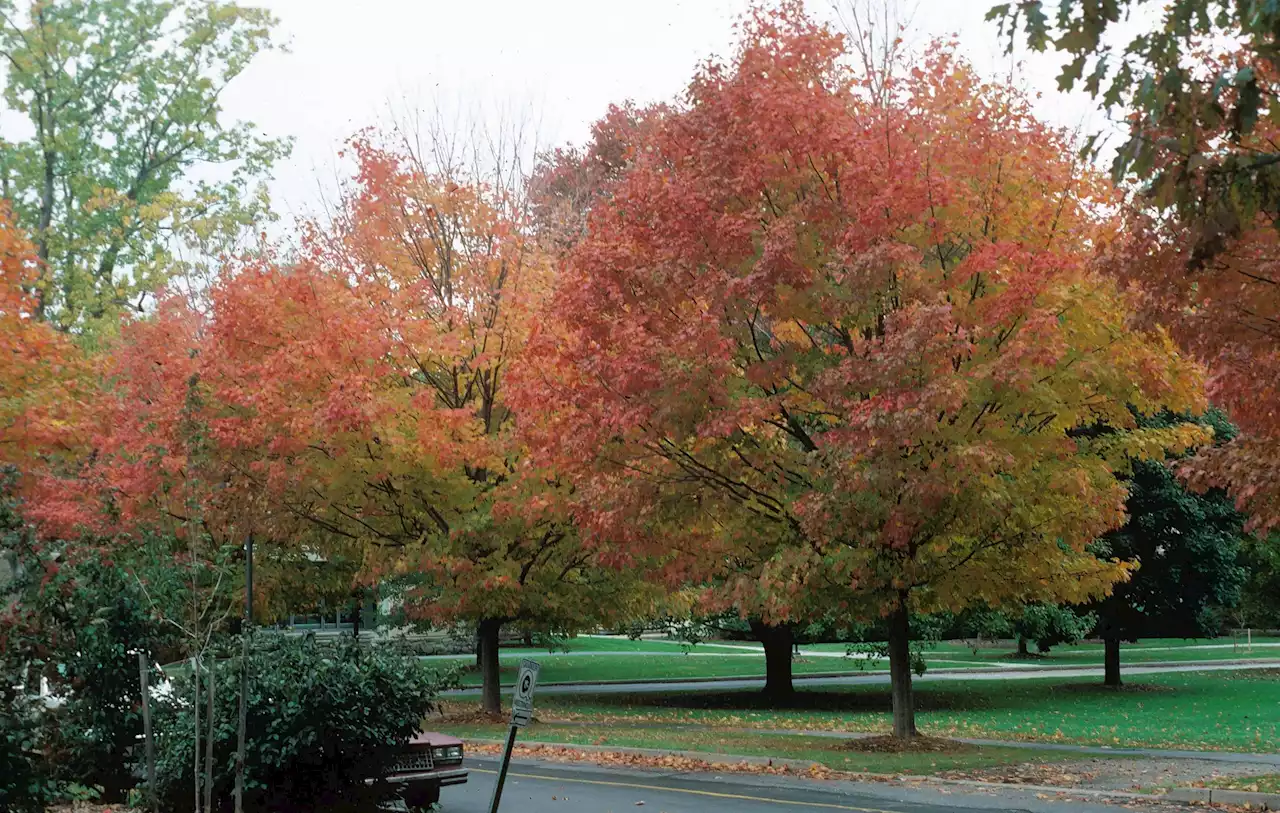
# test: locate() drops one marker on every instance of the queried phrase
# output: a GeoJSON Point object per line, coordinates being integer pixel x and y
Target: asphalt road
{"type": "Point", "coordinates": [544, 787]}
{"type": "Point", "coordinates": [728, 684]}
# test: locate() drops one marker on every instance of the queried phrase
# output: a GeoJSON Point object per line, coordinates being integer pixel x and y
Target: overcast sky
{"type": "Point", "coordinates": [556, 62]}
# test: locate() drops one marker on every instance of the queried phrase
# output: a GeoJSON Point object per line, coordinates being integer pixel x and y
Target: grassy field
{"type": "Point", "coordinates": [834, 754]}
{"type": "Point", "coordinates": [566, 668]}
{"type": "Point", "coordinates": [1156, 649]}
{"type": "Point", "coordinates": [1237, 711]}
{"type": "Point", "coordinates": [590, 658]}
{"type": "Point", "coordinates": [1266, 783]}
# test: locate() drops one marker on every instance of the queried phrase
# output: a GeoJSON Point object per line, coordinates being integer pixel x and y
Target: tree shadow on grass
{"type": "Point", "coordinates": [747, 700]}
{"type": "Point", "coordinates": [863, 699]}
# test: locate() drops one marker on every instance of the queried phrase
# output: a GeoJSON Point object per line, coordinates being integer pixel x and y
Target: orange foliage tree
{"type": "Point", "coordinates": [867, 332]}
{"type": "Point", "coordinates": [40, 370]}
{"type": "Point", "coordinates": [350, 406]}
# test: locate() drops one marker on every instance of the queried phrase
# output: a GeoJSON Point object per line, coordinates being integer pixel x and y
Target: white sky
{"type": "Point", "coordinates": [557, 62]}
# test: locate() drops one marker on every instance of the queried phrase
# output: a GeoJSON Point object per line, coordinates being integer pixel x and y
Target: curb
{"type": "Point", "coordinates": [1216, 796]}
{"type": "Point", "coordinates": [801, 766]}
{"type": "Point", "coordinates": [1081, 749]}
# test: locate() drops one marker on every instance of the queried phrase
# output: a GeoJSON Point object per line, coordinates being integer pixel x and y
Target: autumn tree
{"type": "Point", "coordinates": [871, 328]}
{"type": "Point", "coordinates": [129, 172]}
{"type": "Point", "coordinates": [40, 371]}
{"type": "Point", "coordinates": [445, 266]}
{"type": "Point", "coordinates": [350, 406]}
{"type": "Point", "coordinates": [567, 181]}
{"type": "Point", "coordinates": [1196, 90]}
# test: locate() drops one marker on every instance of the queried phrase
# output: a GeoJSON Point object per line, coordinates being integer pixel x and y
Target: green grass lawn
{"type": "Point", "coordinates": [609, 643]}
{"type": "Point", "coordinates": [1216, 711]}
{"type": "Point", "coordinates": [1265, 783]}
{"type": "Point", "coordinates": [565, 668]}
{"type": "Point", "coordinates": [588, 659]}
{"type": "Point", "coordinates": [1147, 651]}
{"type": "Point", "coordinates": [822, 750]}
{"type": "Point", "coordinates": [1156, 649]}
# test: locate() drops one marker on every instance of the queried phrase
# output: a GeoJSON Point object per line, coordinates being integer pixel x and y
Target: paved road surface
{"type": "Point", "coordinates": [544, 787]}
{"type": "Point", "coordinates": [729, 684]}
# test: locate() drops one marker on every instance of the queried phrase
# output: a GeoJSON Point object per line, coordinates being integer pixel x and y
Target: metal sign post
{"type": "Point", "coordinates": [521, 713]}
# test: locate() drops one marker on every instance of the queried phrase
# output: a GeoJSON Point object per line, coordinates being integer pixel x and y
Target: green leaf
{"type": "Point", "coordinates": [1071, 72]}
{"type": "Point", "coordinates": [1247, 108]}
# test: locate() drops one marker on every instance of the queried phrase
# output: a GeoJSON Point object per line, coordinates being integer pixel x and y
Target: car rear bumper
{"type": "Point", "coordinates": [444, 778]}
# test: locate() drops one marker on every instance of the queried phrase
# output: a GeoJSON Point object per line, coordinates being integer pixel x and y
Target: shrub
{"type": "Point", "coordinates": [77, 619]}
{"type": "Point", "coordinates": [321, 718]}
{"type": "Point", "coordinates": [1050, 625]}
{"type": "Point", "coordinates": [107, 622]}
{"type": "Point", "coordinates": [25, 781]}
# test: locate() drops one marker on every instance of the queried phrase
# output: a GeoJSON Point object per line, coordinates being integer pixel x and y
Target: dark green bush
{"type": "Point", "coordinates": [106, 622]}
{"type": "Point", "coordinates": [321, 718]}
{"type": "Point", "coordinates": [26, 783]}
{"type": "Point", "coordinates": [1050, 625]}
{"type": "Point", "coordinates": [75, 617]}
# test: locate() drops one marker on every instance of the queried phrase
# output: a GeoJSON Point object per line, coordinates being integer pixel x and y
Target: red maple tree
{"type": "Point", "coordinates": [867, 333]}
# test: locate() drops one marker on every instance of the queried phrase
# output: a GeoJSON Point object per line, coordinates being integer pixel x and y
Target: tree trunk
{"type": "Point", "coordinates": [356, 595]}
{"type": "Point", "coordinates": [777, 640]}
{"type": "Point", "coordinates": [488, 631]}
{"type": "Point", "coordinates": [1112, 661]}
{"type": "Point", "coordinates": [528, 638]}
{"type": "Point", "coordinates": [904, 713]}
{"type": "Point", "coordinates": [1022, 647]}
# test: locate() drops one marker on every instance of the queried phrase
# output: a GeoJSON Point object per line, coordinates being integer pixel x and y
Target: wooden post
{"type": "Point", "coordinates": [210, 721]}
{"type": "Point", "coordinates": [144, 674]}
{"type": "Point", "coordinates": [245, 630]}
{"type": "Point", "coordinates": [195, 713]}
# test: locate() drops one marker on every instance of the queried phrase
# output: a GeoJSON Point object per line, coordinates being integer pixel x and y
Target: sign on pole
{"type": "Point", "coordinates": [522, 702]}
{"type": "Point", "coordinates": [521, 713]}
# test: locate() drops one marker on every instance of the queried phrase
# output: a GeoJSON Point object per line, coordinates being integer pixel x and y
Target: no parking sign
{"type": "Point", "coordinates": [522, 703]}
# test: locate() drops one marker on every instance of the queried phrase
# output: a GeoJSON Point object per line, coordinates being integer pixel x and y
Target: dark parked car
{"type": "Point", "coordinates": [429, 761]}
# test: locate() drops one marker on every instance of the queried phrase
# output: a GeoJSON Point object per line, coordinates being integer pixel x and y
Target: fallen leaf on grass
{"type": "Point", "coordinates": [895, 745]}
{"type": "Point", "coordinates": [674, 762]}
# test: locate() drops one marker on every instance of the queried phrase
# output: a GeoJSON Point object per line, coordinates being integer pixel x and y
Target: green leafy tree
{"type": "Point", "coordinates": [1260, 596]}
{"type": "Point", "coordinates": [1174, 93]}
{"type": "Point", "coordinates": [1187, 545]}
{"type": "Point", "coordinates": [130, 174]}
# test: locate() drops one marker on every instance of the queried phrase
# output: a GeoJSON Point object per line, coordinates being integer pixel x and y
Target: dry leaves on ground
{"type": "Point", "coordinates": [915, 745]}
{"type": "Point", "coordinates": [666, 762]}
